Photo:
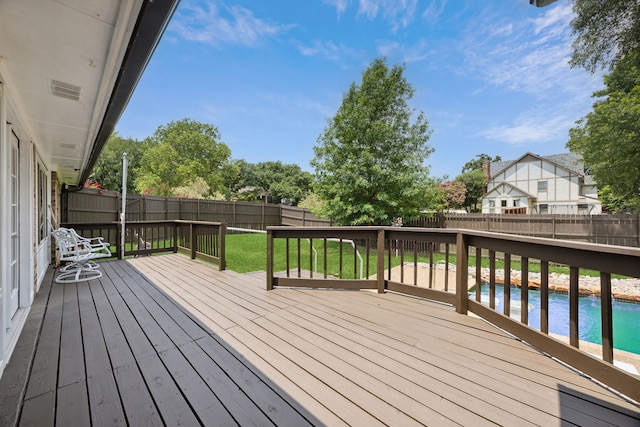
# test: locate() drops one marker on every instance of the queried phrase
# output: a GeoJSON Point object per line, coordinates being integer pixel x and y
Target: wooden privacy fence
{"type": "Point", "coordinates": [93, 206]}
{"type": "Point", "coordinates": [388, 270]}
{"type": "Point", "coordinates": [622, 230]}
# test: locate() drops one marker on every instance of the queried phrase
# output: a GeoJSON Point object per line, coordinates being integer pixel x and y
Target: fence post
{"type": "Point", "coordinates": [380, 266]}
{"type": "Point", "coordinates": [221, 253]}
{"type": "Point", "coordinates": [462, 273]}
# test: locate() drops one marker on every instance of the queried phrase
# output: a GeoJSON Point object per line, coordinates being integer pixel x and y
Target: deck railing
{"type": "Point", "coordinates": [435, 264]}
{"type": "Point", "coordinates": [199, 239]}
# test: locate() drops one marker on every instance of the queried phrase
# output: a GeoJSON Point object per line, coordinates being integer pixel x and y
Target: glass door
{"type": "Point", "coordinates": [14, 218]}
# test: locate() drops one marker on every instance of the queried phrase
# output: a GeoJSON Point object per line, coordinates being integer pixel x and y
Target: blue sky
{"type": "Point", "coordinates": [491, 76]}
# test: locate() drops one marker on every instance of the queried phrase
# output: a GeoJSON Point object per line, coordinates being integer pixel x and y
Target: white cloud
{"type": "Point", "coordinates": [529, 56]}
{"type": "Point", "coordinates": [399, 13]}
{"type": "Point", "coordinates": [326, 49]}
{"type": "Point", "coordinates": [419, 51]}
{"type": "Point", "coordinates": [216, 24]}
{"type": "Point", "coordinates": [544, 123]}
{"type": "Point", "coordinates": [433, 11]}
{"type": "Point", "coordinates": [340, 5]}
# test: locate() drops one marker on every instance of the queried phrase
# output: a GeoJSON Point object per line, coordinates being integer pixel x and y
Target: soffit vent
{"type": "Point", "coordinates": [65, 90]}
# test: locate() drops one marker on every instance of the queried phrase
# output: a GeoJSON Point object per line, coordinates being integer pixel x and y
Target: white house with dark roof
{"type": "Point", "coordinates": [532, 184]}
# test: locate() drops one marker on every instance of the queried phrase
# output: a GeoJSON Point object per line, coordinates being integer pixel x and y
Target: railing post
{"type": "Point", "coordinates": [175, 237]}
{"type": "Point", "coordinates": [380, 266]}
{"type": "Point", "coordinates": [221, 252]}
{"type": "Point", "coordinates": [606, 317]}
{"type": "Point", "coordinates": [462, 273]}
{"type": "Point", "coordinates": [574, 338]}
{"type": "Point", "coordinates": [270, 259]}
{"type": "Point", "coordinates": [192, 239]}
{"type": "Point", "coordinates": [119, 248]}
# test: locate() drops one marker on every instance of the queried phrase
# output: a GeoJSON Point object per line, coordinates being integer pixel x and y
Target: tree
{"type": "Point", "coordinates": [608, 138]}
{"type": "Point", "coordinates": [474, 182]}
{"type": "Point", "coordinates": [180, 152]}
{"type": "Point", "coordinates": [283, 181]}
{"type": "Point", "coordinates": [369, 159]}
{"type": "Point", "coordinates": [276, 180]}
{"type": "Point", "coordinates": [108, 168]}
{"type": "Point", "coordinates": [478, 162]}
{"type": "Point", "coordinates": [605, 32]}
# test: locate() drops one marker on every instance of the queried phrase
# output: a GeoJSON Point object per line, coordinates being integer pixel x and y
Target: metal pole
{"type": "Point", "coordinates": [124, 203]}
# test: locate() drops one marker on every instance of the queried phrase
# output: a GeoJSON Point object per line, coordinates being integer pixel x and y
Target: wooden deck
{"type": "Point", "coordinates": [165, 340]}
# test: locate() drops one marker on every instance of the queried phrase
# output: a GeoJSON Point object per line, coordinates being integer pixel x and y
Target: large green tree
{"type": "Point", "coordinates": [608, 138]}
{"type": "Point", "coordinates": [474, 182]}
{"type": "Point", "coordinates": [478, 162]}
{"type": "Point", "coordinates": [283, 181]}
{"type": "Point", "coordinates": [108, 168]}
{"type": "Point", "coordinates": [276, 180]}
{"type": "Point", "coordinates": [369, 160]}
{"type": "Point", "coordinates": [604, 32]}
{"type": "Point", "coordinates": [179, 153]}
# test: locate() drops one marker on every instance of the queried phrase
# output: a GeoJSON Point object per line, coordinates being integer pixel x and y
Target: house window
{"type": "Point", "coordinates": [516, 203]}
{"type": "Point", "coordinates": [543, 208]}
{"type": "Point", "coordinates": [492, 203]}
{"type": "Point", "coordinates": [542, 185]}
{"type": "Point", "coordinates": [42, 204]}
{"type": "Point", "coordinates": [503, 203]}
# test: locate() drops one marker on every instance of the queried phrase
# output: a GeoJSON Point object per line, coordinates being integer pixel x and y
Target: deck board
{"type": "Point", "coordinates": [166, 340]}
{"type": "Point", "coordinates": [407, 346]}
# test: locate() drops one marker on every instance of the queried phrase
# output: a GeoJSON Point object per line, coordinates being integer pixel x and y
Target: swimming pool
{"type": "Point", "coordinates": [626, 317]}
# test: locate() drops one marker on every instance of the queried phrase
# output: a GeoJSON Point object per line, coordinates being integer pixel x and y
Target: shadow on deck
{"type": "Point", "coordinates": [165, 340]}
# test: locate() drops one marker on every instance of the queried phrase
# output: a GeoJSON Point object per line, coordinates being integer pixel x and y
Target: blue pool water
{"type": "Point", "coordinates": [626, 317]}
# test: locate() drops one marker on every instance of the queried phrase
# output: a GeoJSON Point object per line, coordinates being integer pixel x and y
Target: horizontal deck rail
{"type": "Point", "coordinates": [199, 239]}
{"type": "Point", "coordinates": [422, 262]}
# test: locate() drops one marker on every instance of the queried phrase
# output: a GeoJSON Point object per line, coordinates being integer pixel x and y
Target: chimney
{"type": "Point", "coordinates": [486, 171]}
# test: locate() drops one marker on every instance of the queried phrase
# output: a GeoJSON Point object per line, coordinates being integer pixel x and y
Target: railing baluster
{"type": "Point", "coordinates": [492, 279]}
{"type": "Point", "coordinates": [544, 297]}
{"type": "Point", "coordinates": [380, 260]}
{"type": "Point", "coordinates": [402, 262]}
{"type": "Point", "coordinates": [325, 257]}
{"type": "Point", "coordinates": [446, 267]}
{"type": "Point", "coordinates": [311, 258]}
{"type": "Point", "coordinates": [507, 285]}
{"type": "Point", "coordinates": [574, 300]}
{"type": "Point", "coordinates": [389, 266]}
{"type": "Point", "coordinates": [431, 269]}
{"type": "Point", "coordinates": [524, 290]}
{"type": "Point", "coordinates": [287, 257]}
{"type": "Point", "coordinates": [415, 263]}
{"type": "Point", "coordinates": [607, 317]}
{"type": "Point", "coordinates": [299, 262]}
{"type": "Point", "coordinates": [355, 261]}
{"type": "Point", "coordinates": [340, 262]}
{"type": "Point", "coordinates": [478, 274]}
{"type": "Point", "coordinates": [368, 250]}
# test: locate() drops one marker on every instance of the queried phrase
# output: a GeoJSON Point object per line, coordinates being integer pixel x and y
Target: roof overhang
{"type": "Point", "coordinates": [70, 67]}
